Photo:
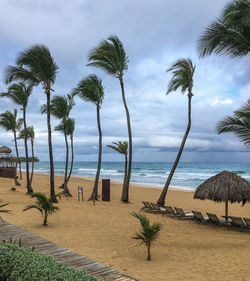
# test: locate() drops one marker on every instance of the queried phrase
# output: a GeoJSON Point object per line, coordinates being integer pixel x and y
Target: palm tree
{"type": "Point", "coordinates": [111, 57]}
{"type": "Point", "coordinates": [149, 233]}
{"type": "Point", "coordinates": [70, 128]}
{"type": "Point", "coordinates": [19, 93]}
{"type": "Point", "coordinates": [122, 147]}
{"type": "Point", "coordinates": [4, 210]}
{"type": "Point", "coordinates": [9, 122]}
{"type": "Point", "coordinates": [44, 205]}
{"type": "Point", "coordinates": [60, 108]}
{"type": "Point", "coordinates": [183, 72]}
{"type": "Point", "coordinates": [36, 65]}
{"type": "Point", "coordinates": [31, 137]}
{"type": "Point", "coordinates": [91, 90]}
{"type": "Point", "coordinates": [239, 124]}
{"type": "Point", "coordinates": [230, 33]}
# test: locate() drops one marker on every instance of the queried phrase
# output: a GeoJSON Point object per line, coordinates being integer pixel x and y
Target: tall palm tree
{"type": "Point", "coordinates": [19, 93]}
{"type": "Point", "coordinates": [183, 72]}
{"type": "Point", "coordinates": [31, 137]}
{"type": "Point", "coordinates": [60, 108]}
{"type": "Point", "coordinates": [9, 122]}
{"type": "Point", "coordinates": [36, 65]}
{"type": "Point", "coordinates": [70, 128]}
{"type": "Point", "coordinates": [230, 33]}
{"type": "Point", "coordinates": [122, 147]}
{"type": "Point", "coordinates": [91, 90]}
{"type": "Point", "coordinates": [111, 57]}
{"type": "Point", "coordinates": [239, 124]}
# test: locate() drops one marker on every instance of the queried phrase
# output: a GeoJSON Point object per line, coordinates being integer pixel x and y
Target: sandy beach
{"type": "Point", "coordinates": [184, 251]}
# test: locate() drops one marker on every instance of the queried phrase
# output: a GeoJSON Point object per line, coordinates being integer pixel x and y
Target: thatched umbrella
{"type": "Point", "coordinates": [5, 149]}
{"type": "Point", "coordinates": [225, 186]}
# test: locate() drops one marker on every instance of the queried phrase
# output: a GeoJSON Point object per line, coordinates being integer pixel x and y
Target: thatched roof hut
{"type": "Point", "coordinates": [5, 149]}
{"type": "Point", "coordinates": [225, 186]}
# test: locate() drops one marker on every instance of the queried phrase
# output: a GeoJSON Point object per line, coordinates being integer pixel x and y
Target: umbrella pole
{"type": "Point", "coordinates": [226, 211]}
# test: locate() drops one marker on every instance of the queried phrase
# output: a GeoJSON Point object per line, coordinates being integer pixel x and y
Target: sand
{"type": "Point", "coordinates": [184, 250]}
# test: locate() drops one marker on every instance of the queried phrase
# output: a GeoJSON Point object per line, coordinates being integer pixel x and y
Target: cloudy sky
{"type": "Point", "coordinates": [154, 34]}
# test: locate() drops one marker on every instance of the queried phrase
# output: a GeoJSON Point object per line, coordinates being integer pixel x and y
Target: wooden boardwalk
{"type": "Point", "coordinates": [66, 256]}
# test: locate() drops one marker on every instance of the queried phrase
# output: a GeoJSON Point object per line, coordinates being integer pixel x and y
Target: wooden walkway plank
{"type": "Point", "coordinates": [66, 256]}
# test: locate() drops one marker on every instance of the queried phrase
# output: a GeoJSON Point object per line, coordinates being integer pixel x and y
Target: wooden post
{"type": "Point", "coordinates": [80, 191]}
{"type": "Point", "coordinates": [226, 211]}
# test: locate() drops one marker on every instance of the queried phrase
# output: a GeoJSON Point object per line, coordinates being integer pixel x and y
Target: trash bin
{"type": "Point", "coordinates": [105, 189]}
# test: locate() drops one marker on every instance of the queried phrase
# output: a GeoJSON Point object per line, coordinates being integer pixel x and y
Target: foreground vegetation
{"type": "Point", "coordinates": [22, 265]}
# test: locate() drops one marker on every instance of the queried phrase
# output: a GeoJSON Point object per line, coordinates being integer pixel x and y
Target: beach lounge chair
{"type": "Point", "coordinates": [199, 217]}
{"type": "Point", "coordinates": [237, 221]}
{"type": "Point", "coordinates": [214, 219]}
{"type": "Point", "coordinates": [170, 211]}
{"type": "Point", "coordinates": [247, 222]}
{"type": "Point", "coordinates": [147, 207]}
{"type": "Point", "coordinates": [182, 214]}
{"type": "Point", "coordinates": [158, 209]}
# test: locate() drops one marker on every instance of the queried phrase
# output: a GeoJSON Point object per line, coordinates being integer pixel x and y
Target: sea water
{"type": "Point", "coordinates": [187, 175]}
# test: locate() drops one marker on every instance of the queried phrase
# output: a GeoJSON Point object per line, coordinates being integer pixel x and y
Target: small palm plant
{"type": "Point", "coordinates": [122, 147]}
{"type": "Point", "coordinates": [44, 205]}
{"type": "Point", "coordinates": [149, 233]}
{"type": "Point", "coordinates": [4, 210]}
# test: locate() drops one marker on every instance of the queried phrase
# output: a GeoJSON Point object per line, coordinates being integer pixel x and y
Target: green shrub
{"type": "Point", "coordinates": [17, 264]}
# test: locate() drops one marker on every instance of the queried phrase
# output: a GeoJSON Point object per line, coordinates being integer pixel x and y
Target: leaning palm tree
{"type": "Point", "coordinates": [60, 108]}
{"type": "Point", "coordinates": [19, 93]}
{"type": "Point", "coordinates": [44, 205]}
{"type": "Point", "coordinates": [36, 65]}
{"type": "Point", "coordinates": [9, 122]}
{"type": "Point", "coordinates": [122, 147]}
{"type": "Point", "coordinates": [111, 57]}
{"type": "Point", "coordinates": [230, 33]}
{"type": "Point", "coordinates": [239, 124]}
{"type": "Point", "coordinates": [91, 90]}
{"type": "Point", "coordinates": [70, 128]}
{"type": "Point", "coordinates": [31, 137]}
{"type": "Point", "coordinates": [149, 233]}
{"type": "Point", "coordinates": [183, 72]}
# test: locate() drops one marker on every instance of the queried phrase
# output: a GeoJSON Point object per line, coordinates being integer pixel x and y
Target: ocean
{"type": "Point", "coordinates": [187, 175]}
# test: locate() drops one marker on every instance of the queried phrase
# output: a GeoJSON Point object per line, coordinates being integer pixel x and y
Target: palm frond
{"type": "Point", "coordinates": [120, 146]}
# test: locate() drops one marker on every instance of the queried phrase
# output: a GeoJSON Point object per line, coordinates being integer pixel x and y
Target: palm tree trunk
{"type": "Point", "coordinates": [65, 187]}
{"type": "Point", "coordinates": [32, 169]}
{"type": "Point", "coordinates": [161, 200]}
{"type": "Point", "coordinates": [17, 156]}
{"type": "Point", "coordinates": [125, 195]}
{"type": "Point", "coordinates": [29, 188]}
{"type": "Point", "coordinates": [72, 158]}
{"type": "Point", "coordinates": [149, 255]}
{"type": "Point", "coordinates": [125, 177]}
{"type": "Point", "coordinates": [94, 194]}
{"type": "Point", "coordinates": [52, 180]}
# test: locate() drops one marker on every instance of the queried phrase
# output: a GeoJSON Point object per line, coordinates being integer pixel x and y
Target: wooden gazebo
{"type": "Point", "coordinates": [7, 163]}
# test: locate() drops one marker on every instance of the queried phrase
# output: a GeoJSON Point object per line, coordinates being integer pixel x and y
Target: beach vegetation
{"type": "Point", "coordinates": [44, 205]}
{"type": "Point", "coordinates": [111, 57]}
{"type": "Point", "coordinates": [19, 93]}
{"type": "Point", "coordinates": [4, 211]}
{"type": "Point", "coordinates": [19, 264]}
{"type": "Point", "coordinates": [37, 66]}
{"type": "Point", "coordinates": [11, 123]}
{"type": "Point", "coordinates": [239, 124]}
{"type": "Point", "coordinates": [122, 148]}
{"type": "Point", "coordinates": [90, 89]}
{"type": "Point", "coordinates": [30, 132]}
{"type": "Point", "coordinates": [60, 108]}
{"type": "Point", "coordinates": [148, 233]}
{"type": "Point", "coordinates": [229, 34]}
{"type": "Point", "coordinates": [182, 78]}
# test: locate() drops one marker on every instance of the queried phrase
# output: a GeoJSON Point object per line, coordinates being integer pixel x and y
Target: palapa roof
{"type": "Point", "coordinates": [5, 149]}
{"type": "Point", "coordinates": [225, 186]}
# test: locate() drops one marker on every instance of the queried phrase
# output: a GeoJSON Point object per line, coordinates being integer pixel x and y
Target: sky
{"type": "Point", "coordinates": [154, 35]}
